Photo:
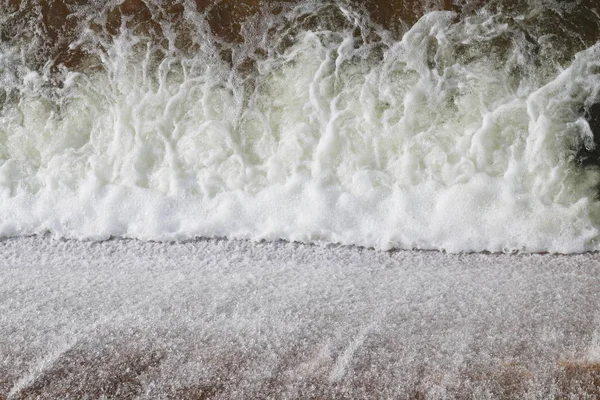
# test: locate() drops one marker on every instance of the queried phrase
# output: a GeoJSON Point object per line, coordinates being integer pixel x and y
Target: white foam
{"type": "Point", "coordinates": [418, 148]}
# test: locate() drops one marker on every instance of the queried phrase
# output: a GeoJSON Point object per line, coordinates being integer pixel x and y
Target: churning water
{"type": "Point", "coordinates": [468, 128]}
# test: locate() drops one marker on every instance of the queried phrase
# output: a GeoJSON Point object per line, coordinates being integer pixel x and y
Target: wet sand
{"type": "Point", "coordinates": [234, 319]}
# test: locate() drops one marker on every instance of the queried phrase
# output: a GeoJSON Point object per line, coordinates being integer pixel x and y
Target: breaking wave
{"type": "Point", "coordinates": [469, 130]}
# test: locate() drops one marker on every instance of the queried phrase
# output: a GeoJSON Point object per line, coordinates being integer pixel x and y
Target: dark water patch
{"type": "Point", "coordinates": [57, 29]}
{"type": "Point", "coordinates": [588, 153]}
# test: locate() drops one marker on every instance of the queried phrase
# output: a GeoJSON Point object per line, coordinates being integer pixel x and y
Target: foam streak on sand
{"type": "Point", "coordinates": [236, 319]}
{"type": "Point", "coordinates": [464, 134]}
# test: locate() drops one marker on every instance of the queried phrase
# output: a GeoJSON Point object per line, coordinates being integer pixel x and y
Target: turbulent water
{"type": "Point", "coordinates": [442, 126]}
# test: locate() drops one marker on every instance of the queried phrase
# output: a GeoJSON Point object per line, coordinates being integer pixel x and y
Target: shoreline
{"type": "Point", "coordinates": [281, 241]}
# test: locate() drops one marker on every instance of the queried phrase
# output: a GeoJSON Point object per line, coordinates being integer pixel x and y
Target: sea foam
{"type": "Point", "coordinates": [440, 140]}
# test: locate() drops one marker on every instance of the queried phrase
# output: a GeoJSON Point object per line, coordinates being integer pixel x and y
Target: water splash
{"type": "Point", "coordinates": [465, 133]}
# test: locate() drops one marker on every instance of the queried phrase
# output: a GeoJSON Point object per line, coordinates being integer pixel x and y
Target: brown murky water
{"type": "Point", "coordinates": [60, 22]}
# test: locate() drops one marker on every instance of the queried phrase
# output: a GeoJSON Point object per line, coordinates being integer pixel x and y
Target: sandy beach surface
{"type": "Point", "coordinates": [236, 319]}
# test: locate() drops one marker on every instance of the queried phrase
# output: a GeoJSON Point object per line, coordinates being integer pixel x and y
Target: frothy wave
{"type": "Point", "coordinates": [459, 137]}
